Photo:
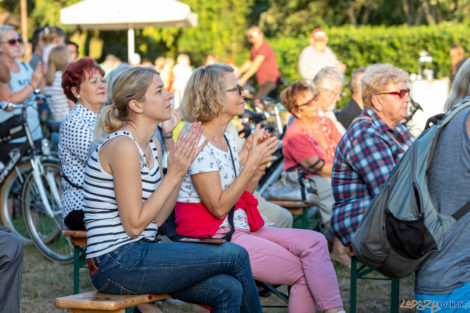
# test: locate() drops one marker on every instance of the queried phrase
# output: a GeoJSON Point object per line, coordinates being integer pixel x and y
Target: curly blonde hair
{"type": "Point", "coordinates": [204, 95]}
{"type": "Point", "coordinates": [377, 77]}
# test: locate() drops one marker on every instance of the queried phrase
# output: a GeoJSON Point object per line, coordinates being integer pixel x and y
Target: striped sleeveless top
{"type": "Point", "coordinates": [104, 227]}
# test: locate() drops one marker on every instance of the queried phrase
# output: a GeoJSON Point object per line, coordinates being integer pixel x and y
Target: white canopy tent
{"type": "Point", "coordinates": [128, 14]}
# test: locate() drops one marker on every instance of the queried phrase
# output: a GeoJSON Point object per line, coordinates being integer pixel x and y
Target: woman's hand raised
{"type": "Point", "coordinates": [261, 152]}
{"type": "Point", "coordinates": [185, 151]}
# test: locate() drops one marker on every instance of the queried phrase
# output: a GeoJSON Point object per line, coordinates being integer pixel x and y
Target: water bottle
{"type": "Point", "coordinates": [45, 147]}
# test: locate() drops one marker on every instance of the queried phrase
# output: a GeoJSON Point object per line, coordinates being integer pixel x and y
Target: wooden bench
{"type": "Point", "coordinates": [297, 208]}
{"type": "Point", "coordinates": [96, 302]}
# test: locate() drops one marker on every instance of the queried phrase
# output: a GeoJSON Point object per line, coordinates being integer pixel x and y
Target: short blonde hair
{"type": "Point", "coordinates": [377, 77]}
{"type": "Point", "coordinates": [204, 95]}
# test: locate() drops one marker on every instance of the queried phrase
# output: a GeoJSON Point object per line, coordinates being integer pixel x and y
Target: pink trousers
{"type": "Point", "coordinates": [295, 257]}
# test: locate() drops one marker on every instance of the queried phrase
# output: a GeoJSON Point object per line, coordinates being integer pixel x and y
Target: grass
{"type": "Point", "coordinates": [43, 281]}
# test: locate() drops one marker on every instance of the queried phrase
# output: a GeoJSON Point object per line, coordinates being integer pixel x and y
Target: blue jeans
{"type": "Point", "coordinates": [215, 275]}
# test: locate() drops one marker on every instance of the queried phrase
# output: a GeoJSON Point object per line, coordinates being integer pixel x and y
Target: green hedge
{"type": "Point", "coordinates": [362, 46]}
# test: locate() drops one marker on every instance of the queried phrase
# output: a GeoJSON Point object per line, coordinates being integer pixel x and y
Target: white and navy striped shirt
{"type": "Point", "coordinates": [104, 227]}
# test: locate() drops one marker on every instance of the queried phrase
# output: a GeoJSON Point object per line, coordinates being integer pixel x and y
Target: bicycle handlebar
{"type": "Point", "coordinates": [6, 105]}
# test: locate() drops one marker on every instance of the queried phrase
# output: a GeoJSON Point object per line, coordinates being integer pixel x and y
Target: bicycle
{"type": "Point", "coordinates": [31, 181]}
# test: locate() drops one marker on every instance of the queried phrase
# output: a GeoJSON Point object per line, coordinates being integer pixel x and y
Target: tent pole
{"type": "Point", "coordinates": [130, 45]}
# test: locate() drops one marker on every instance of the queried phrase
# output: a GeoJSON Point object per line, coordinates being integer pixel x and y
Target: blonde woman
{"type": "Point", "coordinates": [216, 200]}
{"type": "Point", "coordinates": [127, 198]}
{"type": "Point", "coordinates": [59, 105]}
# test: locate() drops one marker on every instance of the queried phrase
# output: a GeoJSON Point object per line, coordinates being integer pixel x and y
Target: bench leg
{"type": "Point", "coordinates": [353, 285]}
{"type": "Point", "coordinates": [394, 295]}
{"type": "Point", "coordinates": [76, 270]}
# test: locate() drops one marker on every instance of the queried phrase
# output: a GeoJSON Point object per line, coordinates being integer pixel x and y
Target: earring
{"type": "Point", "coordinates": [78, 97]}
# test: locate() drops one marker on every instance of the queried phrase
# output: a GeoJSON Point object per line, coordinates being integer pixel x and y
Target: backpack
{"type": "Point", "coordinates": [402, 227]}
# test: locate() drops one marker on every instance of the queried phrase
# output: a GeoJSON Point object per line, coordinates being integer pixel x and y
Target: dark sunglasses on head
{"type": "Point", "coordinates": [400, 93]}
{"type": "Point", "coordinates": [236, 88]}
{"type": "Point", "coordinates": [13, 42]}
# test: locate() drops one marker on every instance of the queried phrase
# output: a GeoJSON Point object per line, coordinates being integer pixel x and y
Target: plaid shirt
{"type": "Point", "coordinates": [364, 159]}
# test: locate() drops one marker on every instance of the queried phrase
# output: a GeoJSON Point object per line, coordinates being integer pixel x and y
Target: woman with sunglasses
{"type": "Point", "coordinates": [371, 147]}
{"type": "Point", "coordinates": [310, 143]}
{"type": "Point", "coordinates": [215, 199]}
{"type": "Point", "coordinates": [23, 81]}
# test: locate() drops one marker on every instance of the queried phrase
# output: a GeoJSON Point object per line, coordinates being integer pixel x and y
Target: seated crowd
{"type": "Point", "coordinates": [114, 186]}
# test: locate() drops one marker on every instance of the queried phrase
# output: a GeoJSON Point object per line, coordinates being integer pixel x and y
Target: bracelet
{"type": "Point", "coordinates": [168, 136]}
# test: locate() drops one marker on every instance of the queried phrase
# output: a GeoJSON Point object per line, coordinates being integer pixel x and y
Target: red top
{"type": "Point", "coordinates": [268, 70]}
{"type": "Point", "coordinates": [298, 145]}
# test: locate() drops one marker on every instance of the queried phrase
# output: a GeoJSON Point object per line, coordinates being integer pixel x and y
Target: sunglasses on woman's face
{"type": "Point", "coordinates": [402, 93]}
{"type": "Point", "coordinates": [236, 88]}
{"type": "Point", "coordinates": [14, 41]}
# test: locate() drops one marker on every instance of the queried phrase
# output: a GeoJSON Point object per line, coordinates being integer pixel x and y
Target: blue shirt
{"type": "Point", "coordinates": [364, 159]}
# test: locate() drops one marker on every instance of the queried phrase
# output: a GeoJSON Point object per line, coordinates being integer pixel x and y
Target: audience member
{"type": "Point", "coordinates": [216, 182]}
{"type": "Point", "coordinates": [83, 83]}
{"type": "Point", "coordinates": [329, 83]}
{"type": "Point", "coordinates": [127, 197]}
{"type": "Point", "coordinates": [73, 48]}
{"type": "Point", "coordinates": [370, 148]}
{"type": "Point", "coordinates": [211, 59]}
{"type": "Point", "coordinates": [457, 57]}
{"type": "Point", "coordinates": [11, 270]}
{"type": "Point", "coordinates": [36, 47]}
{"type": "Point", "coordinates": [181, 73]}
{"type": "Point", "coordinates": [23, 81]}
{"type": "Point", "coordinates": [307, 145]}
{"type": "Point", "coordinates": [59, 105]}
{"type": "Point", "coordinates": [146, 62]}
{"type": "Point", "coordinates": [272, 214]}
{"type": "Point", "coordinates": [263, 63]}
{"type": "Point", "coordinates": [159, 64]}
{"type": "Point", "coordinates": [51, 36]}
{"type": "Point", "coordinates": [167, 73]}
{"type": "Point", "coordinates": [317, 56]}
{"type": "Point", "coordinates": [445, 276]}
{"type": "Point", "coordinates": [4, 81]}
{"type": "Point", "coordinates": [354, 107]}
{"type": "Point", "coordinates": [110, 63]}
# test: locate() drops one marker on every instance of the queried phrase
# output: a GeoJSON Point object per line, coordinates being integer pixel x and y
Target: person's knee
{"type": "Point", "coordinates": [229, 293]}
{"type": "Point", "coordinates": [14, 249]}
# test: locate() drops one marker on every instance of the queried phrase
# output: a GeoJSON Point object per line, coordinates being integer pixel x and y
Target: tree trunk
{"type": "Point", "coordinates": [407, 12]}
{"type": "Point", "coordinates": [427, 12]}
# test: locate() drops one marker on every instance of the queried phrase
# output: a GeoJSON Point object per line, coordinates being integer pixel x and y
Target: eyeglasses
{"type": "Point", "coordinates": [236, 88]}
{"type": "Point", "coordinates": [13, 42]}
{"type": "Point", "coordinates": [400, 93]}
{"type": "Point", "coordinates": [309, 102]}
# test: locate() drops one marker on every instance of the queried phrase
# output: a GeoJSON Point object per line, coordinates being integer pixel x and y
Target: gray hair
{"type": "Point", "coordinates": [4, 29]}
{"type": "Point", "coordinates": [327, 78]}
{"type": "Point", "coordinates": [355, 83]}
{"type": "Point", "coordinates": [460, 86]}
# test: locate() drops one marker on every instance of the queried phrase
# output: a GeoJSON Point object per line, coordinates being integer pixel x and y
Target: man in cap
{"type": "Point", "coordinates": [317, 56]}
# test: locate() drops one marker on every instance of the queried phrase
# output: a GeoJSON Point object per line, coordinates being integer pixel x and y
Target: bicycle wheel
{"type": "Point", "coordinates": [10, 200]}
{"type": "Point", "coordinates": [45, 228]}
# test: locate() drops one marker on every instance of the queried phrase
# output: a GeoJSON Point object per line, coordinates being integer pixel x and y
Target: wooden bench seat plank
{"type": "Point", "coordinates": [95, 300]}
{"type": "Point", "coordinates": [78, 237]}
{"type": "Point", "coordinates": [289, 204]}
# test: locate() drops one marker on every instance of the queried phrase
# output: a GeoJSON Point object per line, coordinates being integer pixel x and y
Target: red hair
{"type": "Point", "coordinates": [78, 72]}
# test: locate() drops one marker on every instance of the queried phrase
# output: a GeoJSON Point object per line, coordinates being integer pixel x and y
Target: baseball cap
{"type": "Point", "coordinates": [319, 34]}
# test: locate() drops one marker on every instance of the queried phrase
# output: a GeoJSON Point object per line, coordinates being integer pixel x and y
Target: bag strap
{"type": "Point", "coordinates": [69, 181]}
{"type": "Point", "coordinates": [306, 171]}
{"type": "Point", "coordinates": [228, 236]}
{"type": "Point", "coordinates": [389, 133]}
{"type": "Point", "coordinates": [461, 212]}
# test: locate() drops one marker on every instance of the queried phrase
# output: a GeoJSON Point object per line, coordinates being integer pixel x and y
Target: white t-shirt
{"type": "Point", "coordinates": [212, 159]}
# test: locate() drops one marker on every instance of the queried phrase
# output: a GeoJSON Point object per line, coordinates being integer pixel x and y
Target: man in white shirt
{"type": "Point", "coordinates": [317, 56]}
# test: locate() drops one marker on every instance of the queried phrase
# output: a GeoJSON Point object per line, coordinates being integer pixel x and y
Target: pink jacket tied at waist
{"type": "Point", "coordinates": [194, 219]}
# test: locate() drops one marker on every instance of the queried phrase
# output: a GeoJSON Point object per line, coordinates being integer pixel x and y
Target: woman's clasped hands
{"type": "Point", "coordinates": [185, 150]}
